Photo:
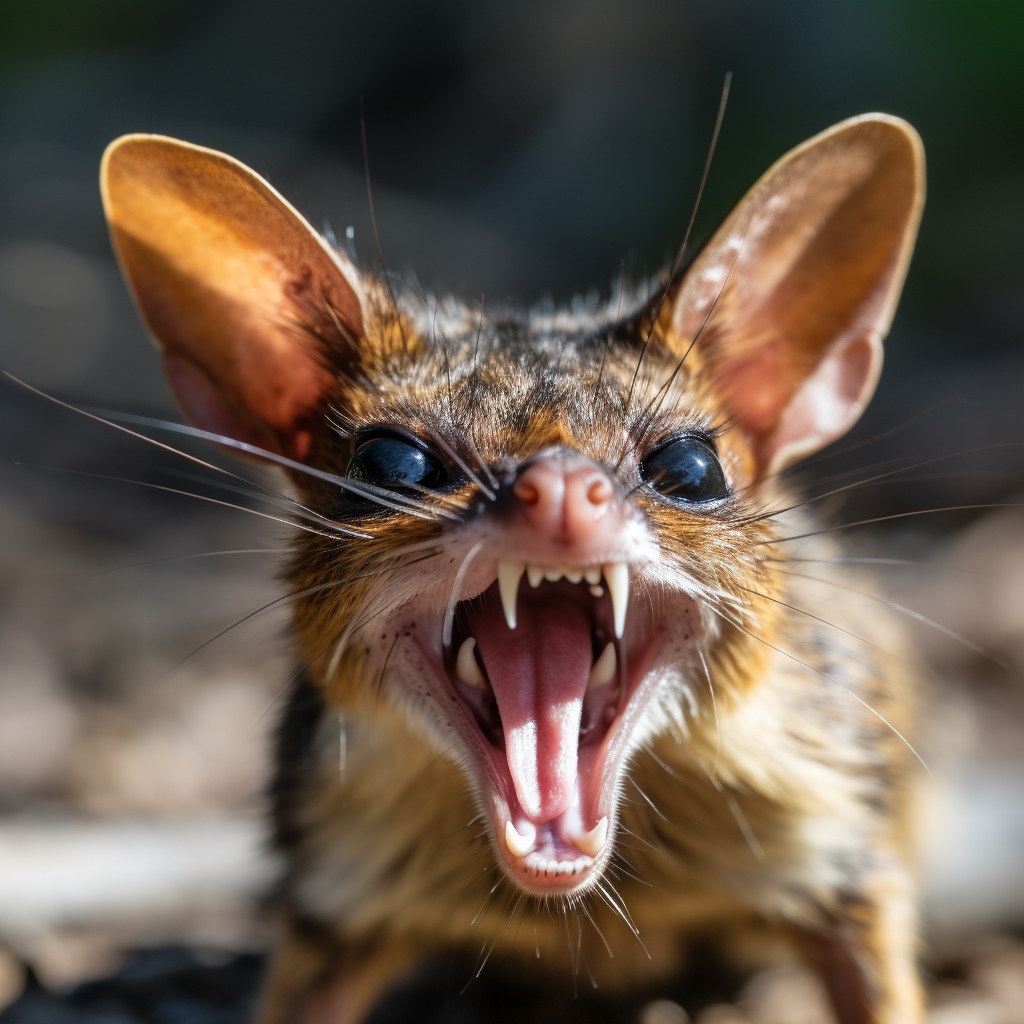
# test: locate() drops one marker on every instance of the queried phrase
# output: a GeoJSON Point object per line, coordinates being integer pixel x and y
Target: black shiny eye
{"type": "Point", "coordinates": [395, 464]}
{"type": "Point", "coordinates": [686, 469]}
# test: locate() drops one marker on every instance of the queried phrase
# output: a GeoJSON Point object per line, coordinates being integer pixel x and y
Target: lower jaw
{"type": "Point", "coordinates": [554, 864]}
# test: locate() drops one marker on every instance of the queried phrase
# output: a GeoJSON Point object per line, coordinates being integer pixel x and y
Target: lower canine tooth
{"type": "Point", "coordinates": [466, 668]}
{"type": "Point", "coordinates": [509, 575]}
{"type": "Point", "coordinates": [592, 843]}
{"type": "Point", "coordinates": [520, 844]}
{"type": "Point", "coordinates": [616, 576]}
{"type": "Point", "coordinates": [604, 668]}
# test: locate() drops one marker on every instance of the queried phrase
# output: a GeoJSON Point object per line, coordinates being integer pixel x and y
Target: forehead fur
{"type": "Point", "coordinates": [512, 381]}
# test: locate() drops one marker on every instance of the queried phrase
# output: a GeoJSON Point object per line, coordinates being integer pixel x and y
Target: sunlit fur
{"type": "Point", "coordinates": [768, 780]}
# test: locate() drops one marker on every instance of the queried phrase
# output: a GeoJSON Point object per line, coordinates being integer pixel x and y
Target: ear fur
{"type": "Point", "coordinates": [252, 311]}
{"type": "Point", "coordinates": [799, 286]}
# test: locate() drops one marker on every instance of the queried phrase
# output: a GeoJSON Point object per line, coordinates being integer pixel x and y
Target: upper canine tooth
{"type": "Point", "coordinates": [574, 575]}
{"type": "Point", "coordinates": [521, 843]}
{"type": "Point", "coordinates": [509, 575]}
{"type": "Point", "coordinates": [534, 573]}
{"type": "Point", "coordinates": [604, 668]}
{"type": "Point", "coordinates": [466, 668]}
{"type": "Point", "coordinates": [616, 575]}
{"type": "Point", "coordinates": [592, 843]}
{"type": "Point", "coordinates": [593, 575]}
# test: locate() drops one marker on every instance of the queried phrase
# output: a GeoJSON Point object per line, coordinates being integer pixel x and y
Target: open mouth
{"type": "Point", "coordinates": [545, 664]}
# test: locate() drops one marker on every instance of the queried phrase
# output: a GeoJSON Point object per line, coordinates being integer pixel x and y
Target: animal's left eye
{"type": "Point", "coordinates": [686, 470]}
{"type": "Point", "coordinates": [395, 463]}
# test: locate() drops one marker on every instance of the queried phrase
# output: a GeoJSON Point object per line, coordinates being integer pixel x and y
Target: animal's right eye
{"type": "Point", "coordinates": [395, 464]}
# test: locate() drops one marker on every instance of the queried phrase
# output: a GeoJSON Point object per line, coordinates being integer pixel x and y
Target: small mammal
{"type": "Point", "coordinates": [564, 679]}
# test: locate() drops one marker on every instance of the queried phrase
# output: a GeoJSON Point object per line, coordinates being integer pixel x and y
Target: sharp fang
{"type": "Point", "coordinates": [593, 575]}
{"type": "Point", "coordinates": [521, 843]}
{"type": "Point", "coordinates": [534, 573]}
{"type": "Point", "coordinates": [604, 668]}
{"type": "Point", "coordinates": [509, 575]}
{"type": "Point", "coordinates": [466, 669]}
{"type": "Point", "coordinates": [591, 843]}
{"type": "Point", "coordinates": [616, 576]}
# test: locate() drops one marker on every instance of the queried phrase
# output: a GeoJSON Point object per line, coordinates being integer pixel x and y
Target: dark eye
{"type": "Point", "coordinates": [395, 464]}
{"type": "Point", "coordinates": [686, 469]}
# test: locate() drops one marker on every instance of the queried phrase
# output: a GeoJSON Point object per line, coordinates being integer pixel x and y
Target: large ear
{"type": "Point", "coordinates": [798, 287]}
{"type": "Point", "coordinates": [252, 311]}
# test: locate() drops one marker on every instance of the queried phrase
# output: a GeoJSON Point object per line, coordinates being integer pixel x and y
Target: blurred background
{"type": "Point", "coordinates": [520, 151]}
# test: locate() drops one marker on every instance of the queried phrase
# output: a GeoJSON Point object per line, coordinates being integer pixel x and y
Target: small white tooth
{"type": "Point", "coordinates": [520, 843]}
{"type": "Point", "coordinates": [604, 668]}
{"type": "Point", "coordinates": [534, 573]}
{"type": "Point", "coordinates": [466, 668]}
{"type": "Point", "coordinates": [565, 867]}
{"type": "Point", "coordinates": [616, 576]}
{"type": "Point", "coordinates": [593, 575]}
{"type": "Point", "coordinates": [592, 843]}
{"type": "Point", "coordinates": [553, 575]}
{"type": "Point", "coordinates": [574, 575]}
{"type": "Point", "coordinates": [509, 575]}
{"type": "Point", "coordinates": [596, 591]}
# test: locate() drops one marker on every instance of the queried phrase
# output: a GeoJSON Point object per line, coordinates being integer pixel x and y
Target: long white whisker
{"type": "Point", "coordinates": [903, 610]}
{"type": "Point", "coordinates": [449, 615]}
{"type": "Point", "coordinates": [834, 682]}
{"type": "Point", "coordinates": [714, 707]}
{"type": "Point", "coordinates": [391, 500]}
{"type": "Point", "coordinates": [201, 554]}
{"type": "Point", "coordinates": [202, 497]}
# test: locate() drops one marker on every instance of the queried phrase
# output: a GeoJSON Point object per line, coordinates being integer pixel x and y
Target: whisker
{"type": "Point", "coordinates": [892, 431]}
{"type": "Point", "coordinates": [883, 519]}
{"type": "Point", "coordinates": [373, 223]}
{"type": "Point", "coordinates": [818, 618]}
{"type": "Point", "coordinates": [199, 497]}
{"type": "Point", "coordinates": [865, 560]}
{"type": "Point", "coordinates": [903, 610]}
{"type": "Point", "coordinates": [269, 495]}
{"type": "Point", "coordinates": [458, 460]}
{"type": "Point", "coordinates": [251, 615]}
{"type": "Point", "coordinates": [613, 329]}
{"type": "Point", "coordinates": [648, 799]}
{"type": "Point", "coordinates": [828, 678]}
{"type": "Point", "coordinates": [744, 825]}
{"type": "Point", "coordinates": [201, 554]}
{"type": "Point", "coordinates": [883, 476]}
{"type": "Point", "coordinates": [390, 499]}
{"type": "Point", "coordinates": [686, 237]}
{"type": "Point", "coordinates": [449, 615]}
{"type": "Point", "coordinates": [714, 708]}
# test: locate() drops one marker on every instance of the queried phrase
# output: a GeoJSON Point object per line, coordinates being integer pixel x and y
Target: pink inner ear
{"type": "Point", "coordinates": [826, 404]}
{"type": "Point", "coordinates": [204, 405]}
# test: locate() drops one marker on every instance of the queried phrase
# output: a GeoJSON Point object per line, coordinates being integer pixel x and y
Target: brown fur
{"type": "Point", "coordinates": [769, 783]}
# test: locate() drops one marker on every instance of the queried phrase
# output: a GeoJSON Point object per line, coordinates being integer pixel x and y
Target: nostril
{"type": "Point", "coordinates": [599, 492]}
{"type": "Point", "coordinates": [526, 492]}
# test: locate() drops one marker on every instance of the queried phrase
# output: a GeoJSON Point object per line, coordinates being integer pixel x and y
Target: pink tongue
{"type": "Point", "coordinates": [539, 674]}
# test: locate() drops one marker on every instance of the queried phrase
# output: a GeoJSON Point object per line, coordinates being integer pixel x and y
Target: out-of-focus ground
{"type": "Point", "coordinates": [518, 150]}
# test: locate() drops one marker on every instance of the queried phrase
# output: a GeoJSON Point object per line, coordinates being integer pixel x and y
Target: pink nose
{"type": "Point", "coordinates": [568, 499]}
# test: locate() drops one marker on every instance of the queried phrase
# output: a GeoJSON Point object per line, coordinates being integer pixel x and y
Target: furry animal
{"type": "Point", "coordinates": [569, 688]}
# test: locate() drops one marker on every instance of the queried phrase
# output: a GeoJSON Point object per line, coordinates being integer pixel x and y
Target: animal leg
{"type": "Point", "coordinates": [317, 982]}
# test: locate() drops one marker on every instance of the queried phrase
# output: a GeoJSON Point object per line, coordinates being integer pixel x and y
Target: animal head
{"type": "Point", "coordinates": [531, 535]}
